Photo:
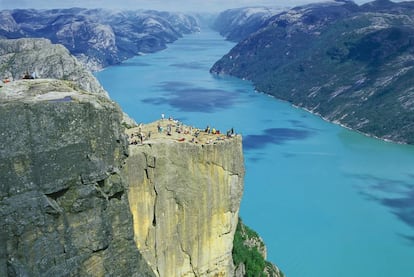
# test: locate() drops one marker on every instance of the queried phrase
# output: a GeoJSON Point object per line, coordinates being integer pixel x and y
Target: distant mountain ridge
{"type": "Point", "coordinates": [353, 65]}
{"type": "Point", "coordinates": [99, 37]}
{"type": "Point", "coordinates": [237, 24]}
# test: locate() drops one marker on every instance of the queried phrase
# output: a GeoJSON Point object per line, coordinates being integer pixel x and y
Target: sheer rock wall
{"type": "Point", "coordinates": [75, 201]}
{"type": "Point", "coordinates": [63, 204]}
{"type": "Point", "coordinates": [185, 200]}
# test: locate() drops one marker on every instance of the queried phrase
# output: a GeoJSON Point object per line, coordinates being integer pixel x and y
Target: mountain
{"type": "Point", "coordinates": [99, 37]}
{"type": "Point", "coordinates": [351, 64]}
{"type": "Point", "coordinates": [237, 24]}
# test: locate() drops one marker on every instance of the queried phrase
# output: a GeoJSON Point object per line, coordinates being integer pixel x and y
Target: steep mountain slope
{"type": "Point", "coordinates": [99, 37]}
{"type": "Point", "coordinates": [352, 65]}
{"type": "Point", "coordinates": [237, 24]}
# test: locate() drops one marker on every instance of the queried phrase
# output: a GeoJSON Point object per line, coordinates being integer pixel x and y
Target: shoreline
{"type": "Point", "coordinates": [347, 127]}
{"type": "Point", "coordinates": [330, 121]}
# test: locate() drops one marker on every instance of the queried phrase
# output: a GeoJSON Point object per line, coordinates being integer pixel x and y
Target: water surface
{"type": "Point", "coordinates": [328, 202]}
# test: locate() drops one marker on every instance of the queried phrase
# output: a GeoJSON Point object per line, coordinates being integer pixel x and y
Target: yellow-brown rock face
{"type": "Point", "coordinates": [185, 200]}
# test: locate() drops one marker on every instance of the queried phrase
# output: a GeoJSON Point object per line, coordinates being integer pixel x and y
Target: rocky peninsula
{"type": "Point", "coordinates": [185, 195]}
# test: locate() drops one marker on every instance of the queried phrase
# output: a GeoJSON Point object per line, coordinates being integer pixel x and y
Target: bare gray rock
{"type": "Point", "coordinates": [41, 58]}
{"type": "Point", "coordinates": [63, 204]}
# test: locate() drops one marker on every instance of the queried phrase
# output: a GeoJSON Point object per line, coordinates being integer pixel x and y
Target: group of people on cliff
{"type": "Point", "coordinates": [214, 131]}
{"type": "Point", "coordinates": [139, 136]}
{"type": "Point", "coordinates": [176, 127]}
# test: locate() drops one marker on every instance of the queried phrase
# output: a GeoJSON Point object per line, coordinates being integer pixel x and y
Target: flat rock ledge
{"type": "Point", "coordinates": [168, 130]}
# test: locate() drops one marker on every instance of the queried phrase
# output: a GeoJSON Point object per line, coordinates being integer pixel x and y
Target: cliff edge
{"type": "Point", "coordinates": [64, 207]}
{"type": "Point", "coordinates": [82, 196]}
{"type": "Point", "coordinates": [76, 199]}
{"type": "Point", "coordinates": [184, 197]}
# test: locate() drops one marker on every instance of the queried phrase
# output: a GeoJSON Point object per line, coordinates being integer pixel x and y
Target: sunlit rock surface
{"type": "Point", "coordinates": [75, 201]}
{"type": "Point", "coordinates": [185, 197]}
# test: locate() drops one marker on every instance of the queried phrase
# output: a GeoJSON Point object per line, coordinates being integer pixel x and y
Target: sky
{"type": "Point", "coordinates": [163, 5]}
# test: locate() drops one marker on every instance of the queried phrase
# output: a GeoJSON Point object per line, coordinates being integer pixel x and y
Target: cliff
{"type": "Point", "coordinates": [64, 206]}
{"type": "Point", "coordinates": [186, 197]}
{"type": "Point", "coordinates": [350, 64]}
{"type": "Point", "coordinates": [75, 201]}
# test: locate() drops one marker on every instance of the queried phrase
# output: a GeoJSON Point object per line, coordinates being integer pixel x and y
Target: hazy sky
{"type": "Point", "coordinates": [165, 5]}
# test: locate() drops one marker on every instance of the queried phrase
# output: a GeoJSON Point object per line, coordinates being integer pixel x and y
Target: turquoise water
{"type": "Point", "coordinates": [327, 201]}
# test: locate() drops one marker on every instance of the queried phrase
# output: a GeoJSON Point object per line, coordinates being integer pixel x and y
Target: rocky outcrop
{"type": "Point", "coordinates": [41, 59]}
{"type": "Point", "coordinates": [185, 200]}
{"type": "Point", "coordinates": [44, 60]}
{"type": "Point", "coordinates": [64, 206]}
{"type": "Point", "coordinates": [351, 64]}
{"type": "Point", "coordinates": [74, 201]}
{"type": "Point", "coordinates": [98, 37]}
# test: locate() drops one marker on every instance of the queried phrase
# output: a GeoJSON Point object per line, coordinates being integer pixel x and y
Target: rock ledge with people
{"type": "Point", "coordinates": [176, 131]}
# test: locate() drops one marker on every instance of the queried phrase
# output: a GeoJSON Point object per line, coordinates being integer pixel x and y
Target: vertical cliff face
{"type": "Point", "coordinates": [63, 205]}
{"type": "Point", "coordinates": [75, 202]}
{"type": "Point", "coordinates": [185, 199]}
